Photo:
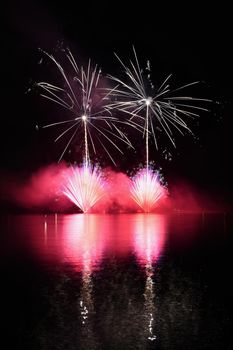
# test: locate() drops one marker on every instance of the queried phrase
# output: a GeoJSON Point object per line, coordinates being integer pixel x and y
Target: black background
{"type": "Point", "coordinates": [190, 42]}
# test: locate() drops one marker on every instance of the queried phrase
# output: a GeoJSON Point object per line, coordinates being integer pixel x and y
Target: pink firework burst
{"type": "Point", "coordinates": [84, 187]}
{"type": "Point", "coordinates": [146, 189]}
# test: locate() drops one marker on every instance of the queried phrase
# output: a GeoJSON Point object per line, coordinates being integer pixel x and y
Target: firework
{"type": "Point", "coordinates": [82, 96]}
{"type": "Point", "coordinates": [136, 96]}
{"type": "Point", "coordinates": [84, 186]}
{"type": "Point", "coordinates": [146, 189]}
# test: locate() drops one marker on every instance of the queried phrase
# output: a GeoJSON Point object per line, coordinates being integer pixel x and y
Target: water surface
{"type": "Point", "coordinates": [127, 281]}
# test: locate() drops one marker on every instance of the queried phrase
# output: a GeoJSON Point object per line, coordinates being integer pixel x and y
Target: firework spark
{"type": "Point", "coordinates": [146, 189]}
{"type": "Point", "coordinates": [156, 109]}
{"type": "Point", "coordinates": [83, 97]}
{"type": "Point", "coordinates": [84, 187]}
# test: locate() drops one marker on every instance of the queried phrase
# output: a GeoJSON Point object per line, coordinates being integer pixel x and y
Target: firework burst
{"type": "Point", "coordinates": [82, 96]}
{"type": "Point", "coordinates": [137, 97]}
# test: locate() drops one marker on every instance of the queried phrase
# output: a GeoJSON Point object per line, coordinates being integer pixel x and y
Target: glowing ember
{"type": "Point", "coordinates": [146, 189]}
{"type": "Point", "coordinates": [85, 187]}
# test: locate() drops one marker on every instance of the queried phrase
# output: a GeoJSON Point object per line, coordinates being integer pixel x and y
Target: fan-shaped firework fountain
{"type": "Point", "coordinates": [84, 187]}
{"type": "Point", "coordinates": [136, 97]}
{"type": "Point", "coordinates": [146, 189]}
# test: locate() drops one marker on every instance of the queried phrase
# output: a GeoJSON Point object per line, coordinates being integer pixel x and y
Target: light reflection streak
{"type": "Point", "coordinates": [83, 246]}
{"type": "Point", "coordinates": [45, 230]}
{"type": "Point", "coordinates": [150, 236]}
{"type": "Point", "coordinates": [83, 242]}
{"type": "Point", "coordinates": [55, 224]}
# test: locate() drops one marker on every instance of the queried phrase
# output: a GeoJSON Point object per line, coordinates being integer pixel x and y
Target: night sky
{"type": "Point", "coordinates": [190, 42]}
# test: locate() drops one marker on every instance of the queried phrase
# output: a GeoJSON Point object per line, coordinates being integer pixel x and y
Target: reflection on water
{"type": "Point", "coordinates": [81, 246]}
{"type": "Point", "coordinates": [82, 241]}
{"type": "Point", "coordinates": [87, 311]}
{"type": "Point", "coordinates": [149, 305]}
{"type": "Point", "coordinates": [150, 234]}
{"type": "Point", "coordinates": [131, 281]}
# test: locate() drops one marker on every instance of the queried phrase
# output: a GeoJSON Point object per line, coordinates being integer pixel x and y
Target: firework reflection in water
{"type": "Point", "coordinates": [149, 241]}
{"type": "Point", "coordinates": [146, 189]}
{"type": "Point", "coordinates": [85, 186]}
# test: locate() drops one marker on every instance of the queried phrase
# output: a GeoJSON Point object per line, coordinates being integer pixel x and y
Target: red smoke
{"type": "Point", "coordinates": [42, 191]}
{"type": "Point", "coordinates": [117, 197]}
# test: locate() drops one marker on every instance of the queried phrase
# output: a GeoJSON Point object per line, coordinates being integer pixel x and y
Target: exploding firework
{"type": "Point", "coordinates": [84, 186]}
{"type": "Point", "coordinates": [136, 96]}
{"type": "Point", "coordinates": [83, 97]}
{"type": "Point", "coordinates": [158, 109]}
{"type": "Point", "coordinates": [146, 189]}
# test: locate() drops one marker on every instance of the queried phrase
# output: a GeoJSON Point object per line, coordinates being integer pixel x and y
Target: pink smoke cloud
{"type": "Point", "coordinates": [43, 191]}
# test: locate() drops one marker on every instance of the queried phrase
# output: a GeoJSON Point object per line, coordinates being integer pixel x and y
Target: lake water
{"type": "Point", "coordinates": [127, 281]}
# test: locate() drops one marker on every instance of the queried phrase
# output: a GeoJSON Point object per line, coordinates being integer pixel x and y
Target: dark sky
{"type": "Point", "coordinates": [191, 42]}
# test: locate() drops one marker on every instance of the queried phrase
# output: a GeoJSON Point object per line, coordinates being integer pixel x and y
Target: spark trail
{"type": "Point", "coordinates": [82, 96]}
{"type": "Point", "coordinates": [136, 96]}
